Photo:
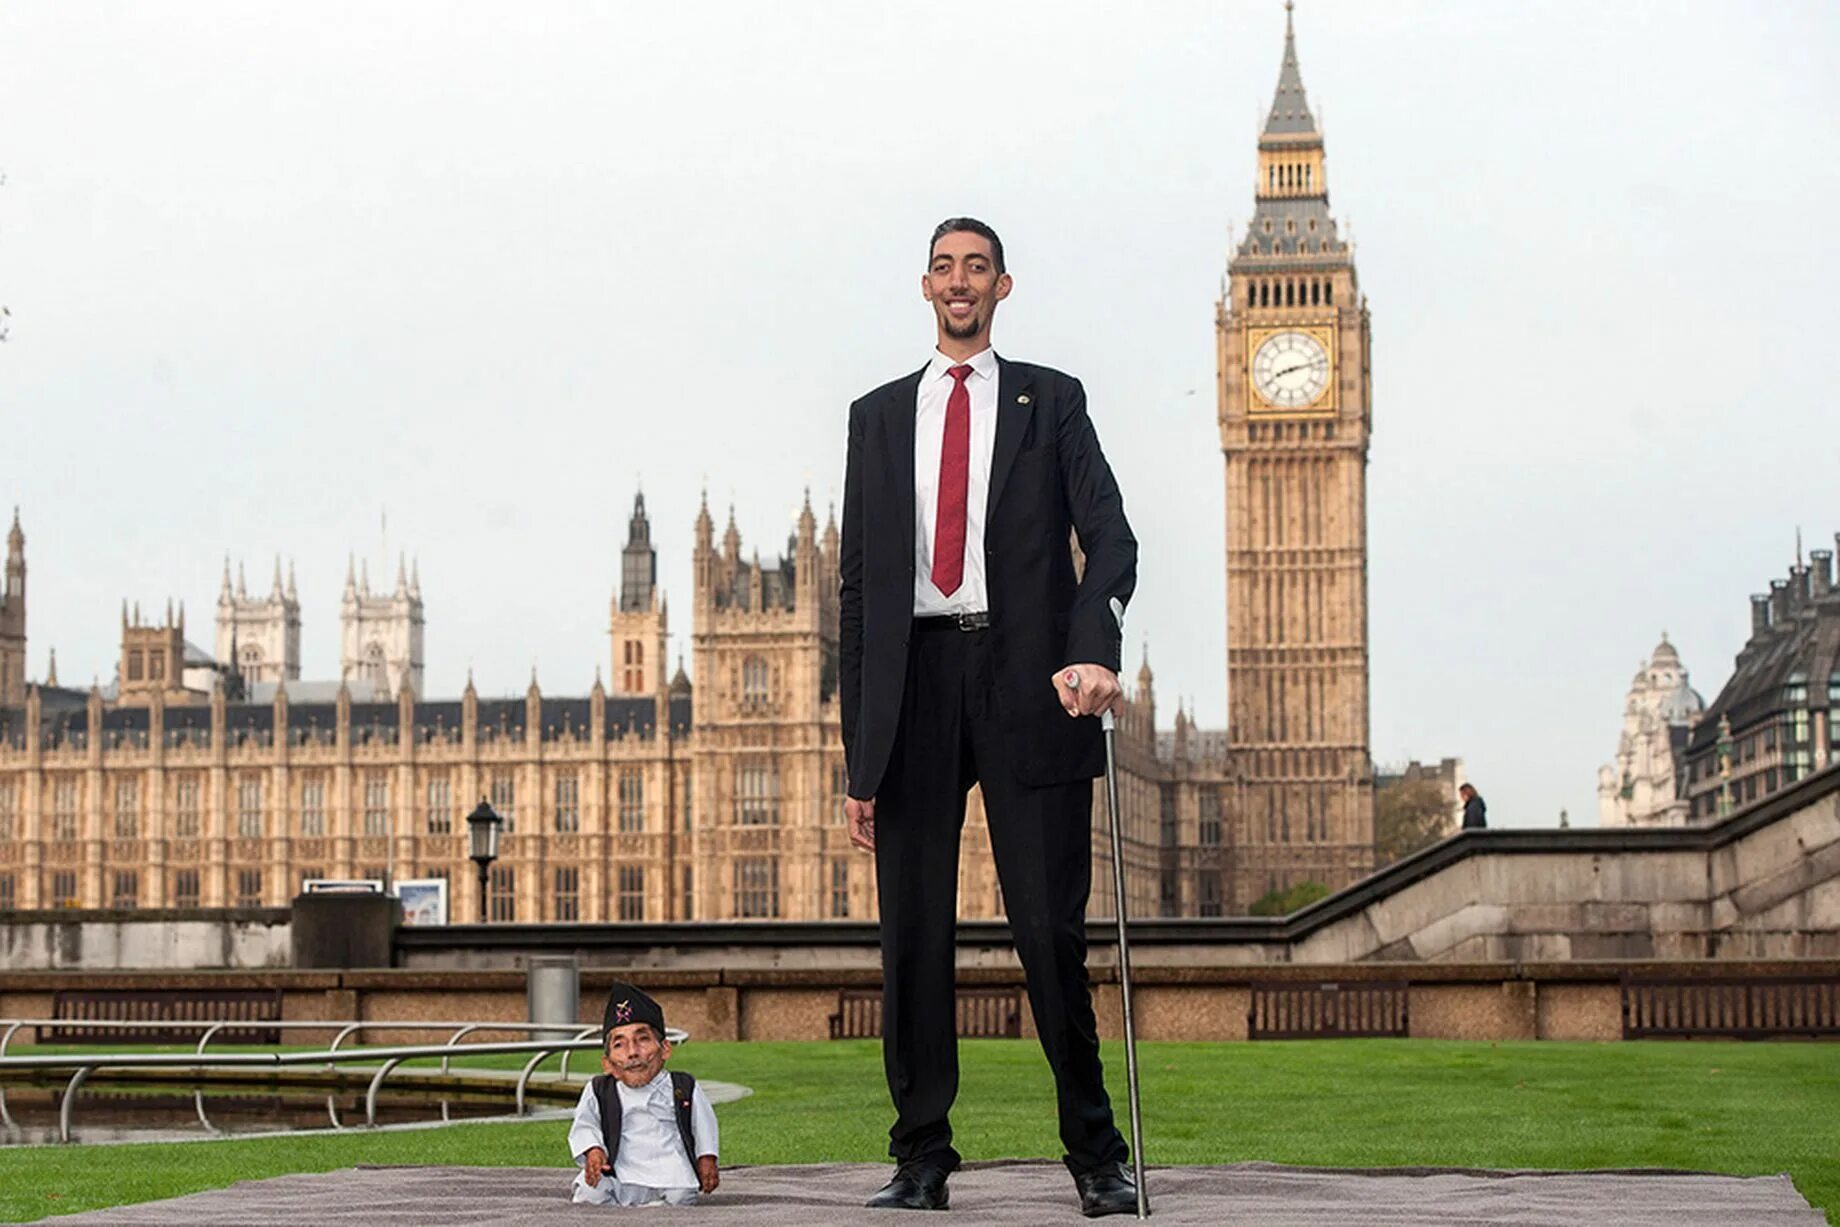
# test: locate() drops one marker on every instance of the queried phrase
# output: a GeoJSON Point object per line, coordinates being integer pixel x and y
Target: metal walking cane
{"type": "Point", "coordinates": [1109, 724]}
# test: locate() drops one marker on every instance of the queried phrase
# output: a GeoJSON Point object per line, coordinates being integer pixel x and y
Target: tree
{"type": "Point", "coordinates": [1408, 815]}
{"type": "Point", "coordinates": [1290, 899]}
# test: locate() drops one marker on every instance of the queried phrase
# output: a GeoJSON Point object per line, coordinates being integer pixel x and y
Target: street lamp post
{"type": "Point", "coordinates": [483, 826]}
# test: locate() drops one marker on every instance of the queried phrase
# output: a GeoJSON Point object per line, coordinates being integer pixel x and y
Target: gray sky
{"type": "Point", "coordinates": [276, 267]}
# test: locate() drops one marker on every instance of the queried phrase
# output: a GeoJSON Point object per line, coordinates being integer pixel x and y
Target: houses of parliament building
{"type": "Point", "coordinates": [223, 780]}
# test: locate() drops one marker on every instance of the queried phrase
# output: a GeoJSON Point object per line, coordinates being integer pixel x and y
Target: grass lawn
{"type": "Point", "coordinates": [1739, 1108]}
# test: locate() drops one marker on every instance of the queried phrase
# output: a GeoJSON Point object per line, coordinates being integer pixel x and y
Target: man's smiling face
{"type": "Point", "coordinates": [964, 286]}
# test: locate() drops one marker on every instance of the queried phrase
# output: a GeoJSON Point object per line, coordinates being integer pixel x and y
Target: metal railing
{"type": "Point", "coordinates": [342, 1030]}
{"type": "Point", "coordinates": [392, 1057]}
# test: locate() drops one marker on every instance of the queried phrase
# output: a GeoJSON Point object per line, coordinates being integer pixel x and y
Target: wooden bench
{"type": "Point", "coordinates": [1713, 1007]}
{"type": "Point", "coordinates": [154, 1007]}
{"type": "Point", "coordinates": [1289, 1010]}
{"type": "Point", "coordinates": [983, 1013]}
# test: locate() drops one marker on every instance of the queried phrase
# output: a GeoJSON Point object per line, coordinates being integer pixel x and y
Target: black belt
{"type": "Point", "coordinates": [953, 622]}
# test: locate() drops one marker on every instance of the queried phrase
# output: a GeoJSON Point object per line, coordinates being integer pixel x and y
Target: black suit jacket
{"type": "Point", "coordinates": [1047, 477]}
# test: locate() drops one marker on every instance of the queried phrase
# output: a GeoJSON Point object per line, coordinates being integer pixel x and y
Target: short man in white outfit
{"type": "Point", "coordinates": [642, 1134]}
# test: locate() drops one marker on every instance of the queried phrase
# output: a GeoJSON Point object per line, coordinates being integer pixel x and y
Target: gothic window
{"type": "Point", "coordinates": [313, 806]}
{"type": "Point", "coordinates": [248, 888]}
{"type": "Point", "coordinates": [1210, 892]}
{"type": "Point", "coordinates": [249, 660]}
{"type": "Point", "coordinates": [757, 793]}
{"type": "Point", "coordinates": [1328, 287]}
{"type": "Point", "coordinates": [754, 681]}
{"type": "Point", "coordinates": [440, 811]}
{"type": "Point", "coordinates": [249, 807]}
{"type": "Point", "coordinates": [127, 892]}
{"type": "Point", "coordinates": [64, 809]}
{"type": "Point", "coordinates": [156, 666]}
{"type": "Point", "coordinates": [185, 808]}
{"type": "Point", "coordinates": [756, 888]}
{"type": "Point", "coordinates": [632, 892]}
{"type": "Point", "coordinates": [568, 893]}
{"type": "Point", "coordinates": [1315, 293]}
{"type": "Point", "coordinates": [568, 803]}
{"type": "Point", "coordinates": [1210, 818]}
{"type": "Point", "coordinates": [127, 809]}
{"type": "Point", "coordinates": [501, 894]}
{"type": "Point", "coordinates": [1264, 294]}
{"type": "Point", "coordinates": [376, 804]}
{"type": "Point", "coordinates": [840, 889]}
{"type": "Point", "coordinates": [1309, 181]}
{"type": "Point", "coordinates": [373, 662]}
{"type": "Point", "coordinates": [9, 893]}
{"type": "Point", "coordinates": [64, 889]}
{"type": "Point", "coordinates": [134, 666]}
{"type": "Point", "coordinates": [504, 797]}
{"type": "Point", "coordinates": [840, 785]}
{"type": "Point", "coordinates": [1166, 803]}
{"type": "Point", "coordinates": [1268, 225]}
{"type": "Point", "coordinates": [1290, 225]}
{"type": "Point", "coordinates": [185, 888]}
{"type": "Point", "coordinates": [632, 800]}
{"type": "Point", "coordinates": [688, 911]}
{"type": "Point", "coordinates": [1252, 296]}
{"type": "Point", "coordinates": [9, 809]}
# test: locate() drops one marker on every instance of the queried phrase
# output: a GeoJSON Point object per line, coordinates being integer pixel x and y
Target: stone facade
{"type": "Point", "coordinates": [1778, 718]}
{"type": "Point", "coordinates": [1294, 415]}
{"type": "Point", "coordinates": [380, 634]}
{"type": "Point", "coordinates": [260, 634]}
{"type": "Point", "coordinates": [1640, 787]}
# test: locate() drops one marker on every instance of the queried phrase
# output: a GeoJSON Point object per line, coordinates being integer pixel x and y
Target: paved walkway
{"type": "Point", "coordinates": [1023, 1194]}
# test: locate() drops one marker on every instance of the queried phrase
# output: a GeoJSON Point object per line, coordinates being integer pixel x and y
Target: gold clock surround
{"type": "Point", "coordinates": [1326, 402]}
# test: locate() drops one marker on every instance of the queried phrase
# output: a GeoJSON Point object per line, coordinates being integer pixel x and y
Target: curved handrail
{"type": "Point", "coordinates": [8, 1037]}
{"type": "Point", "coordinates": [70, 1100]}
{"type": "Point", "coordinates": [370, 1096]}
{"type": "Point", "coordinates": [84, 1066]}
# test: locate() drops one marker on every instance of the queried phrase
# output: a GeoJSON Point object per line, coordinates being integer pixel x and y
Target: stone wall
{"type": "Point", "coordinates": [230, 938]}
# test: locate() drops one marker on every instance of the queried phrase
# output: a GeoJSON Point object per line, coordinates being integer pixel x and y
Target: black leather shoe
{"type": "Point", "coordinates": [917, 1185]}
{"type": "Point", "coordinates": [1107, 1189]}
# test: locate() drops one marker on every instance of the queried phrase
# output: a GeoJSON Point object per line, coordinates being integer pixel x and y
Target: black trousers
{"type": "Point", "coordinates": [949, 738]}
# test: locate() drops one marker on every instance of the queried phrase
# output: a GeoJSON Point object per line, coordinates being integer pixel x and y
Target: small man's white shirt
{"type": "Point", "coordinates": [651, 1165]}
{"type": "Point", "coordinates": [936, 383]}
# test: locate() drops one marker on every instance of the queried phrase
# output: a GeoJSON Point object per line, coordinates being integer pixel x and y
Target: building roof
{"type": "Point", "coordinates": [1290, 109]}
{"type": "Point", "coordinates": [1799, 637]}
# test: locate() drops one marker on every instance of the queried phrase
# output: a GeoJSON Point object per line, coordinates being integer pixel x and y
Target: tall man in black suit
{"type": "Point", "coordinates": [963, 631]}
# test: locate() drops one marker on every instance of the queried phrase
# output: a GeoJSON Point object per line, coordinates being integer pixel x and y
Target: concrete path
{"type": "Point", "coordinates": [1024, 1194]}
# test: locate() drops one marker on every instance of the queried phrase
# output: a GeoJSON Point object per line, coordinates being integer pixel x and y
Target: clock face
{"type": "Point", "coordinates": [1290, 370]}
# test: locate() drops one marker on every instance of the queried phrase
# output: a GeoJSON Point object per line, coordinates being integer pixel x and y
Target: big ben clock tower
{"type": "Point", "coordinates": [1292, 335]}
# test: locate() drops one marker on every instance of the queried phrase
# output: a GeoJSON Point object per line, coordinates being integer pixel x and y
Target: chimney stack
{"type": "Point", "coordinates": [1821, 564]}
{"type": "Point", "coordinates": [1760, 615]}
{"type": "Point", "coordinates": [1779, 603]}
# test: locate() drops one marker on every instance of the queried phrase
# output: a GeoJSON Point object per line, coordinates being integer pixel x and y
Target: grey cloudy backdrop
{"type": "Point", "coordinates": [276, 267]}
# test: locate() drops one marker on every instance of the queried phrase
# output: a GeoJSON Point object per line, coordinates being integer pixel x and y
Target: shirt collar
{"type": "Point", "coordinates": [983, 364]}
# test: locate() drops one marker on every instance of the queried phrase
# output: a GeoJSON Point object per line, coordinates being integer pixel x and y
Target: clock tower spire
{"type": "Point", "coordinates": [1292, 351]}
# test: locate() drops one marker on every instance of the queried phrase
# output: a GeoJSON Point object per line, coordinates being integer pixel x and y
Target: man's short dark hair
{"type": "Point", "coordinates": [968, 225]}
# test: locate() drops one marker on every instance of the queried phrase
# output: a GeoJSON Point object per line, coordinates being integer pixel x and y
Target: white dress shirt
{"type": "Point", "coordinates": [651, 1165]}
{"type": "Point", "coordinates": [936, 383]}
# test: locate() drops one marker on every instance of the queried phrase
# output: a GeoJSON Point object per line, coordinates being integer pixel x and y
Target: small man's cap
{"type": "Point", "coordinates": [627, 1004]}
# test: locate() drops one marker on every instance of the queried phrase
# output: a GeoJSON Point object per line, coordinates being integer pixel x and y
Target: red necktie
{"type": "Point", "coordinates": [954, 476]}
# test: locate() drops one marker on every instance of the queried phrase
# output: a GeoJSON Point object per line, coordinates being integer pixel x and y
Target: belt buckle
{"type": "Point", "coordinates": [972, 621]}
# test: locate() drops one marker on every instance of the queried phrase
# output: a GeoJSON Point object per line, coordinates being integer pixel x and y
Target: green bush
{"type": "Point", "coordinates": [1284, 902]}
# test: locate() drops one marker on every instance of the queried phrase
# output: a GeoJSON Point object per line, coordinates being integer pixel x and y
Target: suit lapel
{"type": "Point", "coordinates": [899, 413]}
{"type": "Point", "coordinates": [1015, 402]}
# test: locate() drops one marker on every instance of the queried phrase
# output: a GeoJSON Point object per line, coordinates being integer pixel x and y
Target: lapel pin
{"type": "Point", "coordinates": [1023, 399]}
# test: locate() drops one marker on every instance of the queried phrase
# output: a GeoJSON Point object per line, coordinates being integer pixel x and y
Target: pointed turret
{"type": "Point", "coordinates": [402, 575]}
{"type": "Point", "coordinates": [292, 596]}
{"type": "Point", "coordinates": [15, 537]}
{"type": "Point", "coordinates": [351, 577]}
{"type": "Point", "coordinates": [731, 537]}
{"type": "Point", "coordinates": [242, 589]}
{"type": "Point", "coordinates": [638, 562]}
{"type": "Point", "coordinates": [275, 589]}
{"type": "Point", "coordinates": [51, 671]}
{"type": "Point", "coordinates": [224, 592]}
{"type": "Point", "coordinates": [1290, 110]}
{"type": "Point", "coordinates": [415, 578]}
